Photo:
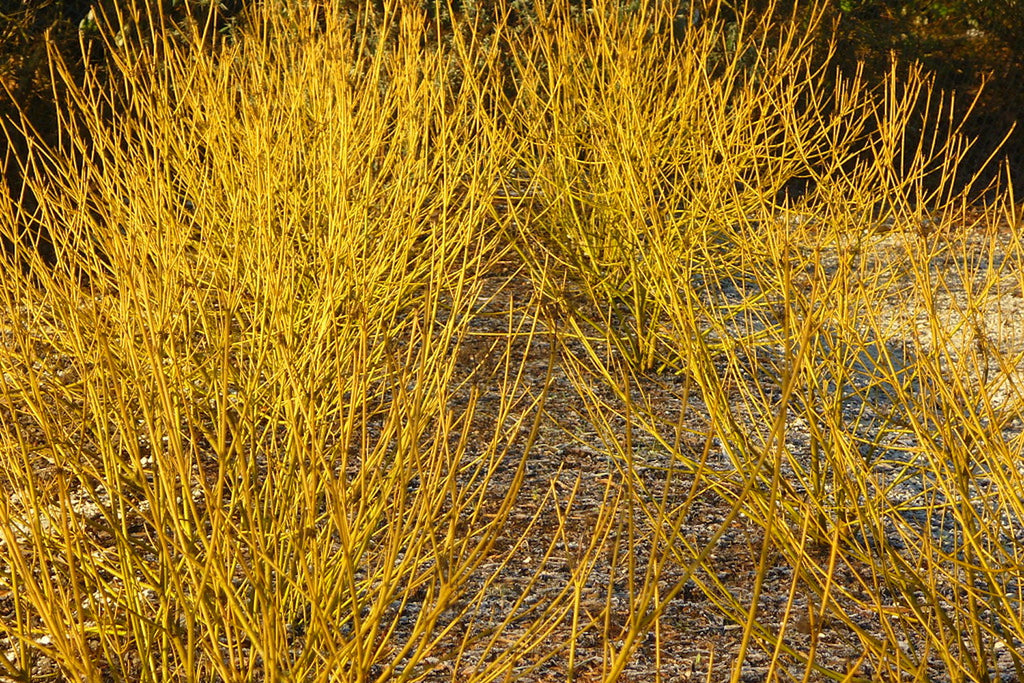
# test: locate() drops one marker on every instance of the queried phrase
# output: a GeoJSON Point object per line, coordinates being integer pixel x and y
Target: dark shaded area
{"type": "Point", "coordinates": [973, 49]}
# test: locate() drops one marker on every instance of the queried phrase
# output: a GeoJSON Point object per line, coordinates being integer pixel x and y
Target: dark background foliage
{"type": "Point", "coordinates": [964, 43]}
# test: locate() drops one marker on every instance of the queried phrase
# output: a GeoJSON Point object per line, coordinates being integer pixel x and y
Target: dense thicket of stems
{"type": "Point", "coordinates": [271, 412]}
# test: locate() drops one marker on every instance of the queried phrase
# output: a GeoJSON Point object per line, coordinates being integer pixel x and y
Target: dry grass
{"type": "Point", "coordinates": [271, 414]}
